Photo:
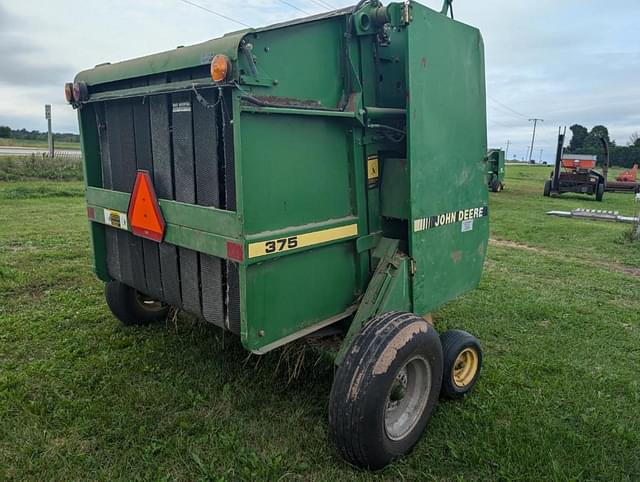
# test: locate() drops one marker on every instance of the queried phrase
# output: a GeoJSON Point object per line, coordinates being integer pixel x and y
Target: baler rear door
{"type": "Point", "coordinates": [447, 145]}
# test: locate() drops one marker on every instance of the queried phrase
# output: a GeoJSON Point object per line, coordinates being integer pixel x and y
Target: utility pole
{"type": "Point", "coordinates": [533, 138]}
{"type": "Point", "coordinates": [506, 153]}
{"type": "Point", "coordinates": [47, 115]}
{"type": "Point", "coordinates": [540, 159]}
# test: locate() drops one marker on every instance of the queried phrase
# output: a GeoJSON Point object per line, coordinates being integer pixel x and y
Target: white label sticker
{"type": "Point", "coordinates": [467, 225]}
{"type": "Point", "coordinates": [115, 219]}
{"type": "Point", "coordinates": [182, 107]}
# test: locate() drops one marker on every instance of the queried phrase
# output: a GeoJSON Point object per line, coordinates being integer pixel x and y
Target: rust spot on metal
{"type": "Point", "coordinates": [400, 340]}
{"type": "Point", "coordinates": [456, 256]}
{"type": "Point", "coordinates": [351, 103]}
{"type": "Point", "coordinates": [287, 101]}
{"type": "Point", "coordinates": [481, 249]}
{"type": "Point", "coordinates": [428, 318]}
{"type": "Point", "coordinates": [423, 63]}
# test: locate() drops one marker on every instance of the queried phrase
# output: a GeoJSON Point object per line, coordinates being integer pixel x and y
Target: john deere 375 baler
{"type": "Point", "coordinates": [320, 175]}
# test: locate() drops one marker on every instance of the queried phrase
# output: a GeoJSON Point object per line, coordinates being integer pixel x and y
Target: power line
{"type": "Point", "coordinates": [294, 7]}
{"type": "Point", "coordinates": [508, 108]}
{"type": "Point", "coordinates": [188, 2]}
{"type": "Point", "coordinates": [323, 4]}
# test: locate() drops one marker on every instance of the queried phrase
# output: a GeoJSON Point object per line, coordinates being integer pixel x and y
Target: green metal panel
{"type": "Point", "coordinates": [388, 290]}
{"type": "Point", "coordinates": [176, 234]}
{"type": "Point", "coordinates": [287, 294]}
{"type": "Point", "coordinates": [297, 177]}
{"type": "Point", "coordinates": [307, 69]}
{"type": "Point", "coordinates": [447, 148]}
{"type": "Point", "coordinates": [172, 60]}
{"type": "Point", "coordinates": [207, 219]}
{"type": "Point", "coordinates": [286, 181]}
{"type": "Point", "coordinates": [93, 177]}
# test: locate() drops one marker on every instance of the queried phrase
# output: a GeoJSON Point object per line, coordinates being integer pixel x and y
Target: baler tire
{"type": "Point", "coordinates": [131, 307]}
{"type": "Point", "coordinates": [457, 344]}
{"type": "Point", "coordinates": [496, 185]}
{"type": "Point", "coordinates": [600, 192]}
{"type": "Point", "coordinates": [393, 367]}
{"type": "Point", "coordinates": [547, 188]}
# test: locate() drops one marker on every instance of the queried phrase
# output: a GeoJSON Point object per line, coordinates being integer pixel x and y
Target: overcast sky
{"type": "Point", "coordinates": [572, 61]}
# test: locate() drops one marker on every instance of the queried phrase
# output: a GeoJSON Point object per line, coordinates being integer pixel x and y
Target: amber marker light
{"type": "Point", "coordinates": [220, 68]}
{"type": "Point", "coordinates": [80, 91]}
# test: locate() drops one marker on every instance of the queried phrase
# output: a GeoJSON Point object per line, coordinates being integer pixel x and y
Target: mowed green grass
{"type": "Point", "coordinates": [83, 398]}
{"type": "Point", "coordinates": [38, 143]}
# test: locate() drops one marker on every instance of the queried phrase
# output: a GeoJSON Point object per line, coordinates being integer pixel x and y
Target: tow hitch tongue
{"type": "Point", "coordinates": [145, 217]}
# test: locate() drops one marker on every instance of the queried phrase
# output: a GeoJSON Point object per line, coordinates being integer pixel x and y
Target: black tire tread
{"type": "Point", "coordinates": [370, 343]}
{"type": "Point", "coordinates": [343, 435]}
{"type": "Point", "coordinates": [122, 302]}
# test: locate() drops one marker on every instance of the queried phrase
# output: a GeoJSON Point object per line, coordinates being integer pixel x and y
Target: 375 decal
{"type": "Point", "coordinates": [282, 244]}
{"type": "Point", "coordinates": [451, 217]}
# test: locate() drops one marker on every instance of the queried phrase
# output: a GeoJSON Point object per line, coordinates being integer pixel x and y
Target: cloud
{"type": "Point", "coordinates": [24, 62]}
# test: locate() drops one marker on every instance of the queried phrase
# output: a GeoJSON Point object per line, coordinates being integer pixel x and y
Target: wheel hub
{"type": "Point", "coordinates": [407, 398]}
{"type": "Point", "coordinates": [465, 367]}
{"type": "Point", "coordinates": [149, 303]}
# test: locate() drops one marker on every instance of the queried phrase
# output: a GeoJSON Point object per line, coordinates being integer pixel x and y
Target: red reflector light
{"type": "Point", "coordinates": [144, 213]}
{"type": "Point", "coordinates": [91, 213]}
{"type": "Point", "coordinates": [235, 251]}
{"type": "Point", "coordinates": [68, 92]}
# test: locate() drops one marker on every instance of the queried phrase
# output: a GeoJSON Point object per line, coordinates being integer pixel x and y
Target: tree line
{"type": "Point", "coordinates": [586, 141]}
{"type": "Point", "coordinates": [7, 132]}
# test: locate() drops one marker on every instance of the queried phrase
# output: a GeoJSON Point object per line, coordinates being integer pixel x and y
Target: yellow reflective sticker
{"type": "Point", "coordinates": [115, 219]}
{"type": "Point", "coordinates": [373, 170]}
{"type": "Point", "coordinates": [280, 245]}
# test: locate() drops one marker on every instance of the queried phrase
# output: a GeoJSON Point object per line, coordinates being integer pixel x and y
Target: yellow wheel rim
{"type": "Point", "coordinates": [465, 367]}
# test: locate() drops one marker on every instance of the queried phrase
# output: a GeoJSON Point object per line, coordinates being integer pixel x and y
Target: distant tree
{"type": "Point", "coordinates": [593, 143]}
{"type": "Point", "coordinates": [580, 134]}
{"type": "Point", "coordinates": [634, 140]}
{"type": "Point", "coordinates": [5, 132]}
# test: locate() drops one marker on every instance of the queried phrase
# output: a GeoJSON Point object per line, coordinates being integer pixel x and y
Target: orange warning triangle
{"type": "Point", "coordinates": [144, 213]}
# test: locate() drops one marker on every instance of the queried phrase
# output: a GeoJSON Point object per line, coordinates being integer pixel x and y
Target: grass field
{"type": "Point", "coordinates": [82, 397]}
{"type": "Point", "coordinates": [34, 167]}
{"type": "Point", "coordinates": [37, 143]}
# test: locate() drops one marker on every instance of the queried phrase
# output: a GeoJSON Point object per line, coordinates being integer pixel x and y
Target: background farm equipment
{"type": "Point", "coordinates": [625, 182]}
{"type": "Point", "coordinates": [630, 175]}
{"type": "Point", "coordinates": [273, 183]}
{"type": "Point", "coordinates": [495, 170]}
{"type": "Point", "coordinates": [599, 215]}
{"type": "Point", "coordinates": [574, 173]}
{"type": "Point", "coordinates": [596, 214]}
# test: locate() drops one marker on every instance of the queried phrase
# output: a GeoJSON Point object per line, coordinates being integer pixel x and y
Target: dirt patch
{"type": "Point", "coordinates": [512, 244]}
{"type": "Point", "coordinates": [620, 268]}
{"type": "Point", "coordinates": [626, 269]}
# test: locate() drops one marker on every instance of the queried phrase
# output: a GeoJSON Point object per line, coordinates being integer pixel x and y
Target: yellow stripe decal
{"type": "Point", "coordinates": [280, 245]}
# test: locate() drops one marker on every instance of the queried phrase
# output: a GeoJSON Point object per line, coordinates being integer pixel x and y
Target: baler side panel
{"type": "Point", "coordinates": [447, 147]}
{"type": "Point", "coordinates": [296, 173]}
